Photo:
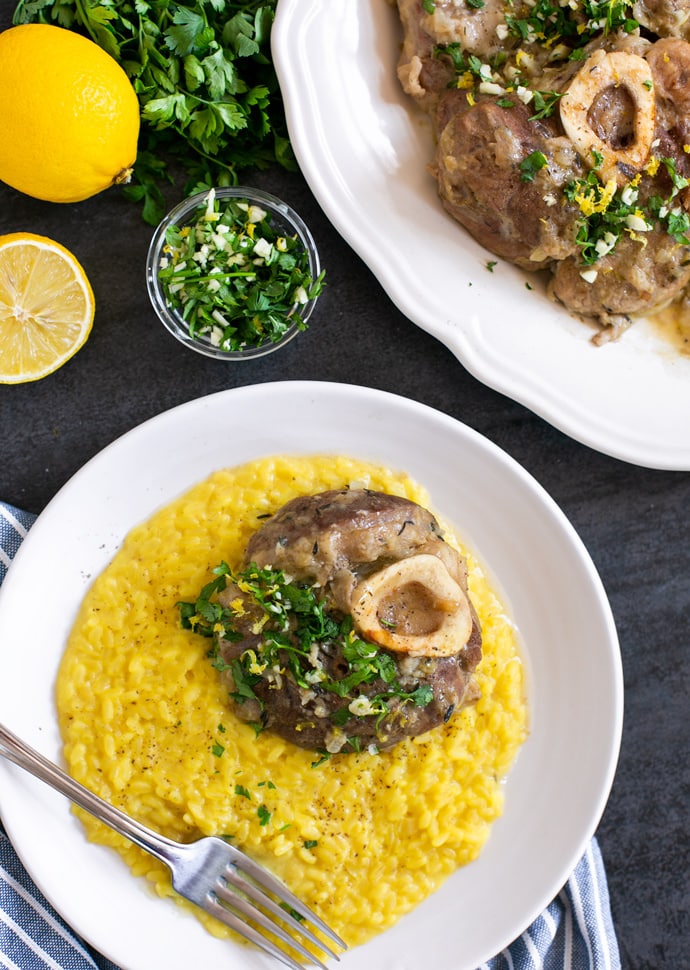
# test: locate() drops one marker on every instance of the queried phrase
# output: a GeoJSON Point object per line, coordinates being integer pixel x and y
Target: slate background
{"type": "Point", "coordinates": [634, 521]}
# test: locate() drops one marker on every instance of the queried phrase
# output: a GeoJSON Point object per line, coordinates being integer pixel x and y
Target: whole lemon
{"type": "Point", "coordinates": [68, 113]}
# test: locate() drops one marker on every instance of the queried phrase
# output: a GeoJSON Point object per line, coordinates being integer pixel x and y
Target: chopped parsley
{"type": "Point", "coordinates": [468, 68]}
{"type": "Point", "coordinates": [236, 279]}
{"type": "Point", "coordinates": [668, 211]}
{"type": "Point", "coordinates": [544, 103]}
{"type": "Point", "coordinates": [608, 211]}
{"type": "Point", "coordinates": [477, 77]}
{"type": "Point", "coordinates": [293, 912]}
{"type": "Point", "coordinates": [295, 626]}
{"type": "Point", "coordinates": [532, 164]}
{"type": "Point", "coordinates": [573, 25]}
{"type": "Point", "coordinates": [310, 843]}
{"type": "Point", "coordinates": [263, 814]}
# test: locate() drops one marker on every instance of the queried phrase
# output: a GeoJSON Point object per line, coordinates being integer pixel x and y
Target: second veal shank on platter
{"type": "Point", "coordinates": [562, 140]}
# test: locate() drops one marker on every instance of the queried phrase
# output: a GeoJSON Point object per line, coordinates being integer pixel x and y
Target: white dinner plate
{"type": "Point", "coordinates": [555, 793]}
{"type": "Point", "coordinates": [364, 148]}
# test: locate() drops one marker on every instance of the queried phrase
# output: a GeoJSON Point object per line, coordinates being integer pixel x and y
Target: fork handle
{"type": "Point", "coordinates": [21, 754]}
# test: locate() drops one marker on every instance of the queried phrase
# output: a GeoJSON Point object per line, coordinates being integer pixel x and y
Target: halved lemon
{"type": "Point", "coordinates": [46, 307]}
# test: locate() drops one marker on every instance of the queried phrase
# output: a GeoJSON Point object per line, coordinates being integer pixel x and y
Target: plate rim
{"type": "Point", "coordinates": [296, 389]}
{"type": "Point", "coordinates": [620, 441]}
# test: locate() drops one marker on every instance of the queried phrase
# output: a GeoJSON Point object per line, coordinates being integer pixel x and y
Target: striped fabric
{"type": "Point", "coordinates": [32, 935]}
{"type": "Point", "coordinates": [575, 932]}
{"type": "Point", "coordinates": [14, 524]}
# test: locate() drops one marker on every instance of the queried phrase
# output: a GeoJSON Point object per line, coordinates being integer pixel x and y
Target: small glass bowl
{"type": "Point", "coordinates": [283, 218]}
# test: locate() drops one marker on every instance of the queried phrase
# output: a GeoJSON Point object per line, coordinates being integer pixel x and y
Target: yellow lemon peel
{"type": "Point", "coordinates": [46, 307]}
{"type": "Point", "coordinates": [70, 115]}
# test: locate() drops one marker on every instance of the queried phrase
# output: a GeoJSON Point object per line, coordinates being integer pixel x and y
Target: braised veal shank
{"type": "Point", "coordinates": [382, 560]}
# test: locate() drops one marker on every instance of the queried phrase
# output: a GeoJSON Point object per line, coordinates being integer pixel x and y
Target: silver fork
{"type": "Point", "coordinates": [209, 872]}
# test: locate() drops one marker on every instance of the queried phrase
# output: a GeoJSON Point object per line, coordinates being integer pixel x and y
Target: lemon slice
{"type": "Point", "coordinates": [46, 307]}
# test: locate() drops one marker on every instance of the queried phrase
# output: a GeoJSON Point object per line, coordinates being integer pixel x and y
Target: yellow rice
{"type": "Point", "coordinates": [144, 717]}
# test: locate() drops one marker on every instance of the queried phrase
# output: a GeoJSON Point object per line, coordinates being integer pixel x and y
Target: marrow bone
{"type": "Point", "coordinates": [603, 74]}
{"type": "Point", "coordinates": [413, 606]}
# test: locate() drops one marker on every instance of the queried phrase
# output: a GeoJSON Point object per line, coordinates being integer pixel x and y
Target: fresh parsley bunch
{"type": "Point", "coordinates": [202, 71]}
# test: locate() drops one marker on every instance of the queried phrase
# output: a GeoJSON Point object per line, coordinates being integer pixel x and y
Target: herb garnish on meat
{"type": "Point", "coordinates": [573, 25]}
{"type": "Point", "coordinates": [530, 165]}
{"type": "Point", "coordinates": [609, 212]}
{"type": "Point", "coordinates": [478, 77]}
{"type": "Point", "coordinates": [294, 625]}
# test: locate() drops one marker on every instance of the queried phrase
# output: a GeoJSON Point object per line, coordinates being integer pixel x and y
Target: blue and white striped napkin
{"type": "Point", "coordinates": [14, 525]}
{"type": "Point", "coordinates": [575, 932]}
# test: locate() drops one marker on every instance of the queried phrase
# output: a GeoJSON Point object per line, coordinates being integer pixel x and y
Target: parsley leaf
{"type": "Point", "coordinates": [544, 103]}
{"type": "Point", "coordinates": [531, 165]}
{"type": "Point", "coordinates": [264, 815]}
{"type": "Point", "coordinates": [188, 32]}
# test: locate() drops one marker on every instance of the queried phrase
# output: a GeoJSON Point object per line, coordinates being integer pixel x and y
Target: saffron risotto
{"type": "Point", "coordinates": [146, 722]}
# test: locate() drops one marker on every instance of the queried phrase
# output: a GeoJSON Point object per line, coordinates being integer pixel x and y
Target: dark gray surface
{"type": "Point", "coordinates": [632, 520]}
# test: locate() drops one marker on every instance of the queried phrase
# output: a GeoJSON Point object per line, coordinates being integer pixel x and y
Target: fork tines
{"type": "Point", "coordinates": [241, 886]}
